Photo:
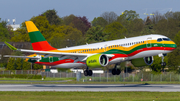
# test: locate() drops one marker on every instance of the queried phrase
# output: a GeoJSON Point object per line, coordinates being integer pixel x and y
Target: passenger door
{"type": "Point", "coordinates": [105, 47]}
{"type": "Point", "coordinates": [148, 42]}
{"type": "Point", "coordinates": [50, 59]}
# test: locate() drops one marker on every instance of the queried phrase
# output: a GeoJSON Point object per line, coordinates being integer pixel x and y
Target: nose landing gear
{"type": "Point", "coordinates": [163, 64]}
{"type": "Point", "coordinates": [162, 57]}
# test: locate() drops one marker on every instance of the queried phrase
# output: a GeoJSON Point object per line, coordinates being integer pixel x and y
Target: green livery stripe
{"type": "Point", "coordinates": [117, 51]}
{"type": "Point", "coordinates": [49, 59]}
{"type": "Point", "coordinates": [114, 51]}
{"type": "Point", "coordinates": [36, 36]}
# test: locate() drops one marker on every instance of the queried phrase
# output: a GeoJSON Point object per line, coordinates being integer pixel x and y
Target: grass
{"type": "Point", "coordinates": [89, 96]}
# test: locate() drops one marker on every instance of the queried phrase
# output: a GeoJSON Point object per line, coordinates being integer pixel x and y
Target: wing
{"type": "Point", "coordinates": [56, 54]}
{"type": "Point", "coordinates": [59, 53]}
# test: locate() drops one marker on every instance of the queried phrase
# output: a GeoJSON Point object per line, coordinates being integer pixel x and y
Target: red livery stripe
{"type": "Point", "coordinates": [152, 48]}
{"type": "Point", "coordinates": [58, 62]}
{"type": "Point", "coordinates": [118, 56]}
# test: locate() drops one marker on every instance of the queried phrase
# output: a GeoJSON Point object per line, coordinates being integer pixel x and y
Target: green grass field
{"type": "Point", "coordinates": [89, 96]}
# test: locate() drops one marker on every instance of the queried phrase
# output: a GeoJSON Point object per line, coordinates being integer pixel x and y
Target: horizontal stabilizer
{"type": "Point", "coordinates": [25, 57]}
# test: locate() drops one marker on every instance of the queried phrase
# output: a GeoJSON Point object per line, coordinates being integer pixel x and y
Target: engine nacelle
{"type": "Point", "coordinates": [97, 60]}
{"type": "Point", "coordinates": [139, 62]}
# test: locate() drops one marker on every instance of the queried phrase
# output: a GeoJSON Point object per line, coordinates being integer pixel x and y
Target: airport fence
{"type": "Point", "coordinates": [129, 77]}
{"type": "Point", "coordinates": [34, 72]}
{"type": "Point", "coordinates": [103, 77]}
{"type": "Point", "coordinates": [123, 77]}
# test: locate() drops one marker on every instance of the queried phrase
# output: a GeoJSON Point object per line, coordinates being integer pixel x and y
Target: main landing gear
{"type": "Point", "coordinates": [115, 71]}
{"type": "Point", "coordinates": [88, 72]}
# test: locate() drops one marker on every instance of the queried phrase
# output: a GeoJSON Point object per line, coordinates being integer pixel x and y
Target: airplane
{"type": "Point", "coordinates": [139, 50]}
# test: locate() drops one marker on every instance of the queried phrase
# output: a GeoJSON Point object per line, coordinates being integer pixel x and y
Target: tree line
{"type": "Point", "coordinates": [74, 30]}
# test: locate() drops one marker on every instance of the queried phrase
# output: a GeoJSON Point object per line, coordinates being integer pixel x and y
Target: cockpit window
{"type": "Point", "coordinates": [159, 40]}
{"type": "Point", "coordinates": [166, 39]}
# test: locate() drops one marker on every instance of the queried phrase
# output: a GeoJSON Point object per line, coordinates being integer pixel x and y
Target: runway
{"type": "Point", "coordinates": [89, 87]}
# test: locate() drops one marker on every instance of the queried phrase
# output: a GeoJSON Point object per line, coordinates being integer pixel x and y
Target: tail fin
{"type": "Point", "coordinates": [37, 39]}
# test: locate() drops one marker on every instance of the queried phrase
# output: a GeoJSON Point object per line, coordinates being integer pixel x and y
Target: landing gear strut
{"type": "Point", "coordinates": [163, 64]}
{"type": "Point", "coordinates": [88, 72]}
{"type": "Point", "coordinates": [115, 71]}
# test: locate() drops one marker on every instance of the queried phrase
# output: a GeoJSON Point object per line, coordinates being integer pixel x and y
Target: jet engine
{"type": "Point", "coordinates": [97, 60]}
{"type": "Point", "coordinates": [145, 61]}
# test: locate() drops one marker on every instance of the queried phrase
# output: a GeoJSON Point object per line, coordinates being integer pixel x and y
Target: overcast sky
{"type": "Point", "coordinates": [23, 10]}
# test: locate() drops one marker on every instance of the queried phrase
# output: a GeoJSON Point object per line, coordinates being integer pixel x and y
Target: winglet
{"type": "Point", "coordinates": [10, 46]}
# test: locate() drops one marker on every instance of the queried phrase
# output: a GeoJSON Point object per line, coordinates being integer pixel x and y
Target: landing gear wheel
{"type": "Point", "coordinates": [90, 72]}
{"type": "Point", "coordinates": [163, 63]}
{"type": "Point", "coordinates": [113, 71]}
{"type": "Point", "coordinates": [118, 72]}
{"type": "Point", "coordinates": [86, 72]}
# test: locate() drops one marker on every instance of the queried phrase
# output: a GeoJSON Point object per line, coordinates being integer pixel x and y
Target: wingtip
{"type": "Point", "coordinates": [10, 46]}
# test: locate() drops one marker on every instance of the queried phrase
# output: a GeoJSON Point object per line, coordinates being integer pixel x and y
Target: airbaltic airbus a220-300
{"type": "Point", "coordinates": [139, 50]}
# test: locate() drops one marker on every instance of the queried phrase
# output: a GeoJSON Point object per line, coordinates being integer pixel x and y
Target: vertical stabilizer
{"type": "Point", "coordinates": [37, 39]}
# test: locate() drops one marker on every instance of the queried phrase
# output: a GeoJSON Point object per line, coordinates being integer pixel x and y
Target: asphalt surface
{"type": "Point", "coordinates": [89, 87]}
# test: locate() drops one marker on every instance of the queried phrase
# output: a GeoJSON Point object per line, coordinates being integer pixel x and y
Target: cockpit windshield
{"type": "Point", "coordinates": [166, 39]}
{"type": "Point", "coordinates": [159, 40]}
{"type": "Point", "coordinates": [163, 39]}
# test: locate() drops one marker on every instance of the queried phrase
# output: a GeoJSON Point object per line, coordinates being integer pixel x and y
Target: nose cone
{"type": "Point", "coordinates": [174, 45]}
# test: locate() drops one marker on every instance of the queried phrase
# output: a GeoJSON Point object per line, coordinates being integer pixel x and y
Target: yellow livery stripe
{"type": "Point", "coordinates": [107, 48]}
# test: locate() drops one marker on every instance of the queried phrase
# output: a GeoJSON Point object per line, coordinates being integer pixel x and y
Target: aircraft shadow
{"type": "Point", "coordinates": [99, 86]}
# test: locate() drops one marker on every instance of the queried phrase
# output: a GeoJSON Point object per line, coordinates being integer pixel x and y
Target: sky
{"type": "Point", "coordinates": [23, 10]}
